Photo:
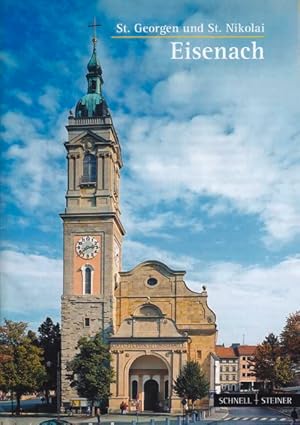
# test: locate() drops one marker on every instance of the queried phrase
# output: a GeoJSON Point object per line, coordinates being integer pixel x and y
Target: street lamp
{"type": "Point", "coordinates": [48, 364]}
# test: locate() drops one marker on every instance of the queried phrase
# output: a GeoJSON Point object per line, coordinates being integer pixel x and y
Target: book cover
{"type": "Point", "coordinates": [204, 96]}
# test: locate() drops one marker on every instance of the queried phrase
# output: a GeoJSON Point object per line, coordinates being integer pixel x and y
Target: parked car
{"type": "Point", "coordinates": [55, 422]}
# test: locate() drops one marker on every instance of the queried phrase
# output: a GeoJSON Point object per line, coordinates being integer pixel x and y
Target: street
{"type": "Point", "coordinates": [235, 416]}
{"type": "Point", "coordinates": [255, 414]}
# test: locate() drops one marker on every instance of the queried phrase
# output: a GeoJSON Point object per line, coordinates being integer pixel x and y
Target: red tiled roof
{"type": "Point", "coordinates": [246, 350]}
{"type": "Point", "coordinates": [225, 352]}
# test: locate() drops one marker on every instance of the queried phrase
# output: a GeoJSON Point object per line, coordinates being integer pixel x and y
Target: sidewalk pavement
{"type": "Point", "coordinates": [218, 415]}
{"type": "Point", "coordinates": [284, 410]}
{"type": "Point", "coordinates": [111, 419]}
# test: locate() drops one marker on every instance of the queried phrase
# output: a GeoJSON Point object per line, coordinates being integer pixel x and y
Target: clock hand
{"type": "Point", "coordinates": [88, 247]}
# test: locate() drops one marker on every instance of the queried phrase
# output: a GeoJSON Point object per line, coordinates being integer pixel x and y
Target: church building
{"type": "Point", "coordinates": [151, 320]}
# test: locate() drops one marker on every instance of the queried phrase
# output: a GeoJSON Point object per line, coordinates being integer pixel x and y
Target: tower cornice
{"type": "Point", "coordinates": [85, 216]}
{"type": "Point", "coordinates": [85, 124]}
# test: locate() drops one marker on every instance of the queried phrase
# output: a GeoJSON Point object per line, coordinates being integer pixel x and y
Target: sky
{"type": "Point", "coordinates": [211, 154]}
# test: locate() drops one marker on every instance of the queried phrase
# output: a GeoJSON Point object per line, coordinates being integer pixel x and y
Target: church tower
{"type": "Point", "coordinates": [93, 230]}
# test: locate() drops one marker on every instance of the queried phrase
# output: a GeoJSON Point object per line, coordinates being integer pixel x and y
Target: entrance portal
{"type": "Point", "coordinates": [151, 395]}
{"type": "Point", "coordinates": [148, 379]}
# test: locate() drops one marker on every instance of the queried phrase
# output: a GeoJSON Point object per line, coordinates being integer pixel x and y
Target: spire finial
{"type": "Point", "coordinates": [94, 25]}
{"type": "Point", "coordinates": [93, 103]}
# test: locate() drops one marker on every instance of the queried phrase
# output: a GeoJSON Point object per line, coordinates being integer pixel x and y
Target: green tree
{"type": "Point", "coordinates": [290, 337]}
{"type": "Point", "coordinates": [270, 365]}
{"type": "Point", "coordinates": [91, 373]}
{"type": "Point", "coordinates": [191, 382]}
{"type": "Point", "coordinates": [283, 371]}
{"type": "Point", "coordinates": [49, 342]}
{"type": "Point", "coordinates": [21, 368]}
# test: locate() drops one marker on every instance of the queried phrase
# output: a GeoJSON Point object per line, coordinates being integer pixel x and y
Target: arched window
{"type": "Point", "coordinates": [88, 281]}
{"type": "Point", "coordinates": [148, 310]}
{"type": "Point", "coordinates": [87, 271]}
{"type": "Point", "coordinates": [134, 388]}
{"type": "Point", "coordinates": [89, 168]}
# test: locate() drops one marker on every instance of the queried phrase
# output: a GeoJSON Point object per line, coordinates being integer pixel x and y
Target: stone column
{"type": "Point", "coordinates": [175, 400]}
{"type": "Point", "coordinates": [114, 362]}
{"type": "Point", "coordinates": [100, 171]}
{"type": "Point", "coordinates": [141, 392]}
{"type": "Point", "coordinates": [77, 170]}
{"type": "Point", "coordinates": [162, 388]}
{"type": "Point", "coordinates": [184, 357]}
{"type": "Point", "coordinates": [70, 172]}
{"type": "Point", "coordinates": [108, 182]}
{"type": "Point", "coordinates": [122, 383]}
{"type": "Point", "coordinates": [176, 363]}
{"type": "Point", "coordinates": [118, 373]}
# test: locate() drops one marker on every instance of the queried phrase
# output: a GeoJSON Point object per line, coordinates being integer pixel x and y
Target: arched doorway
{"type": "Point", "coordinates": [148, 378]}
{"type": "Point", "coordinates": [151, 395]}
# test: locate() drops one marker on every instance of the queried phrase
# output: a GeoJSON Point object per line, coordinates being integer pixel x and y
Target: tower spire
{"type": "Point", "coordinates": [93, 103]}
{"type": "Point", "coordinates": [93, 65]}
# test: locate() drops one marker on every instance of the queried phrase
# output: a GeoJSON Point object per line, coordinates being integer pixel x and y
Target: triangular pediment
{"type": "Point", "coordinates": [88, 137]}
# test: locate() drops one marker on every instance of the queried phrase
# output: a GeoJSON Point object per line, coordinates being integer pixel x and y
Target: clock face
{"type": "Point", "coordinates": [87, 247]}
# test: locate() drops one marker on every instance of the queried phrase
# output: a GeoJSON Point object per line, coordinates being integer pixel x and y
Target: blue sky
{"type": "Point", "coordinates": [211, 173]}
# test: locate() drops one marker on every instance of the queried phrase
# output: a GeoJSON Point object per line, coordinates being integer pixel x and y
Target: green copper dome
{"type": "Point", "coordinates": [93, 103]}
{"type": "Point", "coordinates": [94, 65]}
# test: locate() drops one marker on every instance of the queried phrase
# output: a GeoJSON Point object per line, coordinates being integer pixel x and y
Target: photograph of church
{"type": "Point", "coordinates": [150, 206]}
{"type": "Point", "coordinates": [152, 321]}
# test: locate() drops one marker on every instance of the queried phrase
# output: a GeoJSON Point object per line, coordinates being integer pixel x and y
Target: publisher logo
{"type": "Point", "coordinates": [253, 400]}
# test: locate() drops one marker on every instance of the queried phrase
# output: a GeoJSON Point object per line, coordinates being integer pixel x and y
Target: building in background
{"type": "Point", "coordinates": [229, 368]}
{"type": "Point", "coordinates": [215, 384]}
{"type": "Point", "coordinates": [236, 368]}
{"type": "Point", "coordinates": [247, 378]}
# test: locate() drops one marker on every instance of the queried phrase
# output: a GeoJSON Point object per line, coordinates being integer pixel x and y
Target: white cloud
{"type": "Point", "coordinates": [155, 223]}
{"type": "Point", "coordinates": [18, 126]}
{"type": "Point", "coordinates": [36, 178]}
{"type": "Point", "coordinates": [31, 283]}
{"type": "Point", "coordinates": [226, 131]}
{"type": "Point", "coordinates": [238, 154]}
{"type": "Point", "coordinates": [135, 252]}
{"type": "Point", "coordinates": [23, 97]}
{"type": "Point", "coordinates": [8, 59]}
{"type": "Point", "coordinates": [254, 300]}
{"type": "Point", "coordinates": [251, 301]}
{"type": "Point", "coordinates": [49, 100]}
{"type": "Point", "coordinates": [143, 9]}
